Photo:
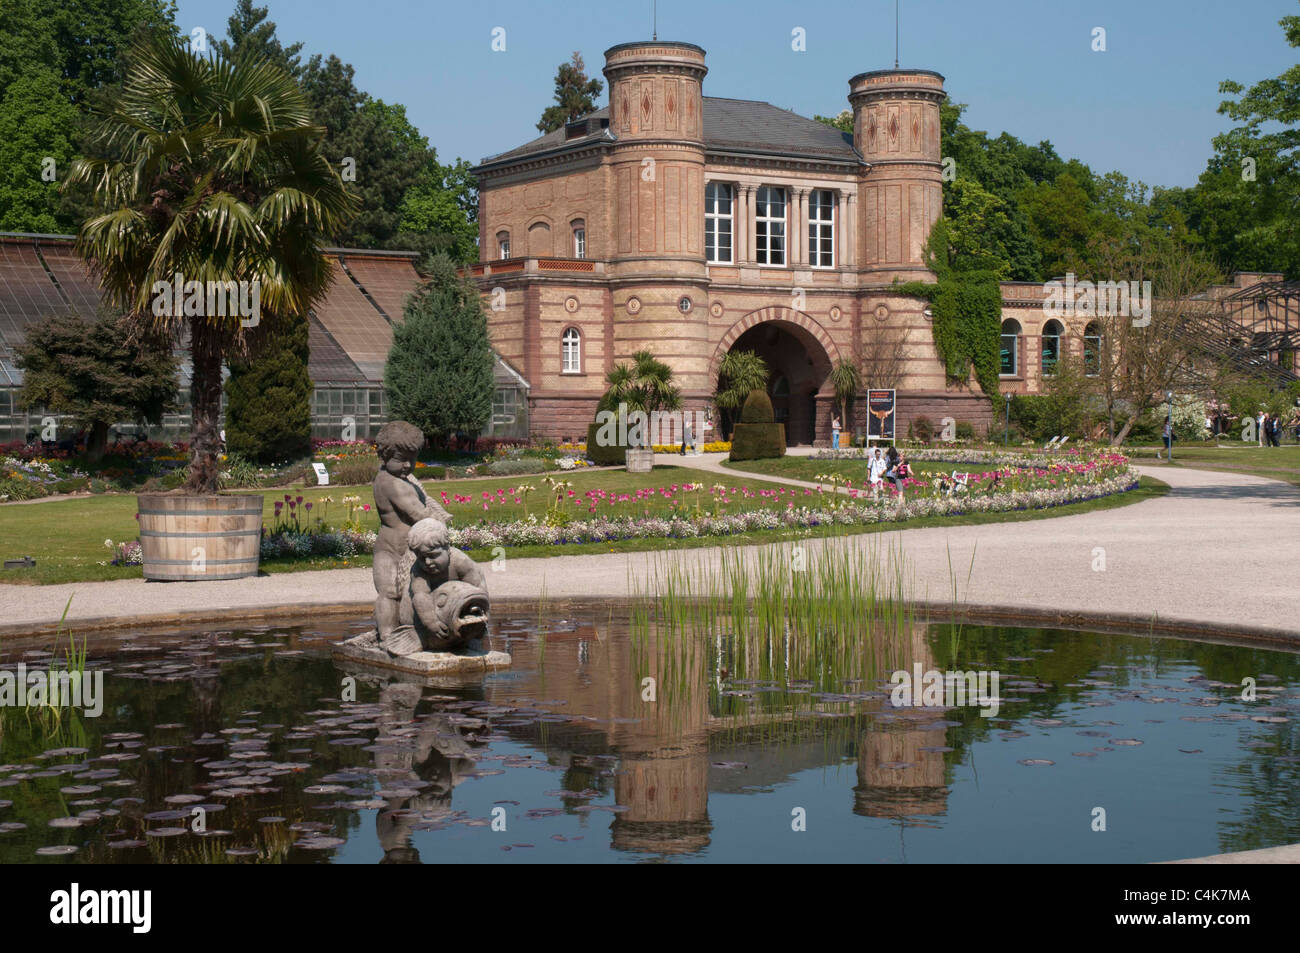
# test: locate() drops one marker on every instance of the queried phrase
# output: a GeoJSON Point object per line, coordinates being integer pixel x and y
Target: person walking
{"type": "Point", "coordinates": [835, 431]}
{"type": "Point", "coordinates": [1275, 430]}
{"type": "Point", "coordinates": [893, 460]}
{"type": "Point", "coordinates": [688, 437]}
{"type": "Point", "coordinates": [1168, 434]}
{"type": "Point", "coordinates": [1260, 420]}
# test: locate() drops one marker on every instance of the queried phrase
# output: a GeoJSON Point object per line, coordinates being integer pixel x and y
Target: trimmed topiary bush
{"type": "Point", "coordinates": [757, 409]}
{"type": "Point", "coordinates": [610, 456]}
{"type": "Point", "coordinates": [758, 441]}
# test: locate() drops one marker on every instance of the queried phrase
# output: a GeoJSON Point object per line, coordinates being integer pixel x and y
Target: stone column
{"type": "Point", "coordinates": [798, 251]}
{"type": "Point", "coordinates": [751, 248]}
{"type": "Point", "coordinates": [742, 215]}
{"type": "Point", "coordinates": [841, 227]}
{"type": "Point", "coordinates": [849, 232]}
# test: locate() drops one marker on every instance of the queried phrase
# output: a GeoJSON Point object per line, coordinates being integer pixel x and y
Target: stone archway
{"type": "Point", "coordinates": [799, 355]}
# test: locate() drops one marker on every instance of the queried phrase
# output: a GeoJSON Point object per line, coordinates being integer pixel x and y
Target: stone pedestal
{"type": "Point", "coordinates": [365, 649]}
{"type": "Point", "coordinates": [640, 461]}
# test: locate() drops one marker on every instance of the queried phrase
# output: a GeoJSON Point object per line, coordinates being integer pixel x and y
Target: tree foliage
{"type": "Point", "coordinates": [89, 371]}
{"type": "Point", "coordinates": [739, 372]}
{"type": "Point", "coordinates": [439, 370]}
{"type": "Point", "coordinates": [211, 170]}
{"type": "Point", "coordinates": [575, 95]}
{"type": "Point", "coordinates": [269, 396]}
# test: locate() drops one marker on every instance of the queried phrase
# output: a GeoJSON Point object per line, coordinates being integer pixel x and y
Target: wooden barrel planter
{"type": "Point", "coordinates": [195, 538]}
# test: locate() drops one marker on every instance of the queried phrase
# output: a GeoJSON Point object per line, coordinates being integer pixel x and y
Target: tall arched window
{"type": "Point", "coordinates": [579, 238]}
{"type": "Point", "coordinates": [1092, 349]}
{"type": "Point", "coordinates": [1052, 332]}
{"type": "Point", "coordinates": [571, 351]}
{"type": "Point", "coordinates": [1010, 348]}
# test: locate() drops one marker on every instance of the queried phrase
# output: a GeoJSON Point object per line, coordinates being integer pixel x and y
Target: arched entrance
{"type": "Point", "coordinates": [799, 356]}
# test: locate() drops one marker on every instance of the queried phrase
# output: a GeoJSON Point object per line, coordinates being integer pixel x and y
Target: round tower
{"type": "Point", "coordinates": [657, 269]}
{"type": "Point", "coordinates": [896, 128]}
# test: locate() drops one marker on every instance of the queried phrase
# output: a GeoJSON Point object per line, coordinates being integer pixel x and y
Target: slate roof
{"type": "Point", "coordinates": [730, 125]}
{"type": "Point", "coordinates": [349, 331]}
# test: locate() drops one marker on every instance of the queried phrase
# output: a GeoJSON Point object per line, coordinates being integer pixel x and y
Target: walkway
{"type": "Point", "coordinates": [1220, 548]}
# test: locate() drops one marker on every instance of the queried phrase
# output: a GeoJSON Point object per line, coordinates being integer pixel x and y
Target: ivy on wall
{"type": "Point", "coordinates": [967, 316]}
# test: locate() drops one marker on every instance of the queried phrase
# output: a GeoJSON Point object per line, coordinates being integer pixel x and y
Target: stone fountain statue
{"type": "Point", "coordinates": [431, 608]}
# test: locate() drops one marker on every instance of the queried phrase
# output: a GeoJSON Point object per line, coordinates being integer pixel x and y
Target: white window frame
{"type": "Point", "coordinates": [717, 219]}
{"type": "Point", "coordinates": [571, 351]}
{"type": "Point", "coordinates": [580, 241]}
{"type": "Point", "coordinates": [765, 225]}
{"type": "Point", "coordinates": [503, 245]}
{"type": "Point", "coordinates": [821, 227]}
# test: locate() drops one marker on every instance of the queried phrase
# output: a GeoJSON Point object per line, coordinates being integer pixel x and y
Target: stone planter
{"type": "Point", "coordinates": [193, 538]}
{"type": "Point", "coordinates": [640, 461]}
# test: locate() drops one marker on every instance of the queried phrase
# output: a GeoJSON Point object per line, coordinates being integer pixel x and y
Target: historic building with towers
{"type": "Point", "coordinates": [688, 225]}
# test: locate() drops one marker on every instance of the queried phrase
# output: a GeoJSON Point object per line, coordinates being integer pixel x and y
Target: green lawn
{"type": "Point", "coordinates": [67, 536]}
{"type": "Point", "coordinates": [1276, 463]}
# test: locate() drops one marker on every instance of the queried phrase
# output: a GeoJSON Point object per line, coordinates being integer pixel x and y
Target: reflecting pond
{"type": "Point", "coordinates": [606, 742]}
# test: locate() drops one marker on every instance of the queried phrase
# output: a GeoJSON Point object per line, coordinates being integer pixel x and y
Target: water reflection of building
{"type": "Point", "coordinates": [666, 747]}
{"type": "Point", "coordinates": [896, 778]}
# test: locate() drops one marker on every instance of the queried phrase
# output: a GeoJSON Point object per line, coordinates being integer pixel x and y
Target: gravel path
{"type": "Point", "coordinates": [1220, 548]}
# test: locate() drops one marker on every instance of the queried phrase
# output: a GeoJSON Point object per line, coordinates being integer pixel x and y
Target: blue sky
{"type": "Point", "coordinates": [1146, 106]}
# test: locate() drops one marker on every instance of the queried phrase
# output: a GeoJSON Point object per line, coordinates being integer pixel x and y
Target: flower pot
{"type": "Point", "coordinates": [195, 538]}
{"type": "Point", "coordinates": [639, 461]}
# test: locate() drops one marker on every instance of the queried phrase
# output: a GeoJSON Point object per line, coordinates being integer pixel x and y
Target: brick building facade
{"type": "Point", "coordinates": [689, 225]}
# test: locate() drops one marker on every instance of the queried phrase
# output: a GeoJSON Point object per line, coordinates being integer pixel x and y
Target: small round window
{"type": "Point", "coordinates": [684, 305]}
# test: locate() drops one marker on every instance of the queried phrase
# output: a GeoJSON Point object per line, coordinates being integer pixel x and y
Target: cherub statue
{"type": "Point", "coordinates": [401, 503]}
{"type": "Point", "coordinates": [445, 601]}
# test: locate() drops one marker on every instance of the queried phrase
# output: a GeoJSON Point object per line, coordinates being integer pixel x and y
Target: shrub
{"type": "Point", "coordinates": [353, 470]}
{"type": "Point", "coordinates": [922, 428]}
{"type": "Point", "coordinates": [757, 409]}
{"type": "Point", "coordinates": [603, 456]}
{"type": "Point", "coordinates": [238, 473]}
{"type": "Point", "coordinates": [98, 486]}
{"type": "Point", "coordinates": [517, 467]}
{"type": "Point", "coordinates": [174, 479]}
{"type": "Point", "coordinates": [758, 441]}
{"type": "Point", "coordinates": [965, 430]}
{"type": "Point", "coordinates": [16, 488]}
{"type": "Point", "coordinates": [71, 485]}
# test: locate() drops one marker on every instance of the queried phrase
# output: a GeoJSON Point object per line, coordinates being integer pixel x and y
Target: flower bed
{"type": "Point", "coordinates": [962, 455]}
{"type": "Point", "coordinates": [838, 511]}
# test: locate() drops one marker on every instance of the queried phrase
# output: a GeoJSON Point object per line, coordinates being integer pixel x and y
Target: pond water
{"type": "Point", "coordinates": [570, 754]}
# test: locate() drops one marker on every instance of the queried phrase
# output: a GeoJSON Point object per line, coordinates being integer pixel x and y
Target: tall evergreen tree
{"type": "Point", "coordinates": [268, 409]}
{"type": "Point", "coordinates": [575, 95]}
{"type": "Point", "coordinates": [439, 370]}
{"type": "Point", "coordinates": [380, 155]}
{"type": "Point", "coordinates": [249, 34]}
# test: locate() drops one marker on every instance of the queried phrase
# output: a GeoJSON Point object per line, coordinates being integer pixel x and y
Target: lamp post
{"type": "Point", "coordinates": [1169, 398]}
{"type": "Point", "coordinates": [1006, 435]}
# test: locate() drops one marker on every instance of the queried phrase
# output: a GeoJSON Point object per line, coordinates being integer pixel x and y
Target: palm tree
{"type": "Point", "coordinates": [208, 171]}
{"type": "Point", "coordinates": [739, 373]}
{"type": "Point", "coordinates": [847, 381]}
{"type": "Point", "coordinates": [646, 384]}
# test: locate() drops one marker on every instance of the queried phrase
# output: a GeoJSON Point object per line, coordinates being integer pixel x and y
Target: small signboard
{"type": "Point", "coordinates": [880, 414]}
{"type": "Point", "coordinates": [322, 475]}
